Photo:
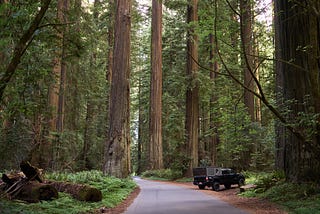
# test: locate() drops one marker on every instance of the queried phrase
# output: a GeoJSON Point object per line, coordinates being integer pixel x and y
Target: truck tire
{"type": "Point", "coordinates": [202, 186]}
{"type": "Point", "coordinates": [216, 186]}
{"type": "Point", "coordinates": [241, 182]}
{"type": "Point", "coordinates": [227, 186]}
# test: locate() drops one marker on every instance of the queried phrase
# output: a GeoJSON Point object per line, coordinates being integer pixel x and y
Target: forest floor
{"type": "Point", "coordinates": [251, 205]}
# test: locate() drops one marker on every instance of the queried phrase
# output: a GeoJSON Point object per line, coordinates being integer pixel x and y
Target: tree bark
{"type": "Point", "coordinates": [33, 192]}
{"type": "Point", "coordinates": [117, 147]}
{"type": "Point", "coordinates": [141, 149]}
{"type": "Point", "coordinates": [192, 96]}
{"type": "Point", "coordinates": [87, 139]}
{"type": "Point", "coordinates": [80, 192]}
{"type": "Point", "coordinates": [110, 41]}
{"type": "Point", "coordinates": [25, 185]}
{"type": "Point", "coordinates": [213, 126]}
{"type": "Point", "coordinates": [110, 51]}
{"type": "Point", "coordinates": [247, 58]}
{"type": "Point", "coordinates": [156, 161]}
{"type": "Point", "coordinates": [297, 78]}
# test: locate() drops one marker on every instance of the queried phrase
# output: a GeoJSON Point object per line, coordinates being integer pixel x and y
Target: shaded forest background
{"type": "Point", "coordinates": [55, 111]}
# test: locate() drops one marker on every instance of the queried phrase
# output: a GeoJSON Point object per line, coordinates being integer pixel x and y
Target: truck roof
{"type": "Point", "coordinates": [208, 171]}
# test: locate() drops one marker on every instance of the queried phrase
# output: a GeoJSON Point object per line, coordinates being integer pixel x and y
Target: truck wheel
{"type": "Point", "coordinates": [216, 186]}
{"type": "Point", "coordinates": [227, 186]}
{"type": "Point", "coordinates": [241, 182]}
{"type": "Point", "coordinates": [201, 186]}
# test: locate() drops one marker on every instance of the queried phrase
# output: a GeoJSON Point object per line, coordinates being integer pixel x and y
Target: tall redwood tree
{"type": "Point", "coordinates": [155, 153]}
{"type": "Point", "coordinates": [247, 56]}
{"type": "Point", "coordinates": [117, 147]}
{"type": "Point", "coordinates": [192, 96]}
{"type": "Point", "coordinates": [298, 83]}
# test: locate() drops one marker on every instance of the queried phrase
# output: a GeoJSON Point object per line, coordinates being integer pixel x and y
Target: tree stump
{"type": "Point", "coordinates": [31, 172]}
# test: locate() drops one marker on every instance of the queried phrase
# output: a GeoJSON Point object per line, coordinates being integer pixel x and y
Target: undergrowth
{"type": "Point", "coordinates": [162, 174]}
{"type": "Point", "coordinates": [295, 198]}
{"type": "Point", "coordinates": [114, 191]}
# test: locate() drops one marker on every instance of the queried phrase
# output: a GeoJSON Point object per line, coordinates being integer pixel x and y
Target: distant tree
{"type": "Point", "coordinates": [56, 97]}
{"type": "Point", "coordinates": [155, 133]}
{"type": "Point", "coordinates": [110, 38]}
{"type": "Point", "coordinates": [110, 33]}
{"type": "Point", "coordinates": [117, 147]}
{"type": "Point", "coordinates": [214, 66]}
{"type": "Point", "coordinates": [246, 20]}
{"type": "Point", "coordinates": [192, 96]}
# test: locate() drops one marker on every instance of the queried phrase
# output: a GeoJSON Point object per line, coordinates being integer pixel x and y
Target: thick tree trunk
{"type": "Point", "coordinates": [56, 94]}
{"type": "Point", "coordinates": [110, 51]}
{"type": "Point", "coordinates": [247, 58]}
{"type": "Point", "coordinates": [117, 147]}
{"type": "Point", "coordinates": [110, 41]}
{"type": "Point", "coordinates": [63, 8]}
{"type": "Point", "coordinates": [140, 164]}
{"type": "Point", "coordinates": [72, 93]}
{"type": "Point", "coordinates": [257, 101]}
{"type": "Point", "coordinates": [88, 130]}
{"type": "Point", "coordinates": [297, 72]}
{"type": "Point", "coordinates": [213, 142]}
{"type": "Point", "coordinates": [192, 96]}
{"type": "Point", "coordinates": [156, 161]}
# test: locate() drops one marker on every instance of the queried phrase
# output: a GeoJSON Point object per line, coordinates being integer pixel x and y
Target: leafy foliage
{"type": "Point", "coordinates": [296, 198]}
{"type": "Point", "coordinates": [166, 174]}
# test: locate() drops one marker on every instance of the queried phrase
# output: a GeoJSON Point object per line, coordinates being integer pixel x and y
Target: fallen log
{"type": "Point", "coordinates": [247, 187]}
{"type": "Point", "coordinates": [78, 191]}
{"type": "Point", "coordinates": [29, 191]}
{"type": "Point", "coordinates": [34, 192]}
{"type": "Point", "coordinates": [25, 185]}
{"type": "Point", "coordinates": [12, 178]}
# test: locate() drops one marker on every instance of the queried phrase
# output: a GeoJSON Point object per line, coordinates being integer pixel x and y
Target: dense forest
{"type": "Point", "coordinates": [127, 86]}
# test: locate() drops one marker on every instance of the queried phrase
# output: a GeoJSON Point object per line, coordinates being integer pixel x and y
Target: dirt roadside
{"type": "Point", "coordinates": [251, 205]}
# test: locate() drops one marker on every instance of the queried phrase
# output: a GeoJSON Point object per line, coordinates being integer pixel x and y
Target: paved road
{"type": "Point", "coordinates": [160, 198]}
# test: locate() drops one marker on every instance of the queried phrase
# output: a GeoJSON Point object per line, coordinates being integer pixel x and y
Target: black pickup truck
{"type": "Point", "coordinates": [214, 176]}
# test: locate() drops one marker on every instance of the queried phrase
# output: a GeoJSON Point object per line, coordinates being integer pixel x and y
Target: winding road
{"type": "Point", "coordinates": [162, 198]}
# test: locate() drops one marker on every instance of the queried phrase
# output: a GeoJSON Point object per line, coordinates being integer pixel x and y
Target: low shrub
{"type": "Point", "coordinates": [296, 198]}
{"type": "Point", "coordinates": [291, 191]}
{"type": "Point", "coordinates": [166, 174]}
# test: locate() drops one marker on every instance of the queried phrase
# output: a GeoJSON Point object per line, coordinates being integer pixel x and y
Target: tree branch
{"type": "Point", "coordinates": [21, 47]}
{"type": "Point", "coordinates": [260, 96]}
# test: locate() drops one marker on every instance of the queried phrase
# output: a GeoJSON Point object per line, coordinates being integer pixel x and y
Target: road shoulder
{"type": "Point", "coordinates": [251, 205]}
